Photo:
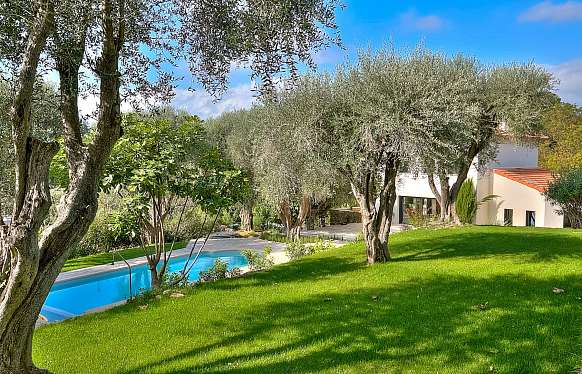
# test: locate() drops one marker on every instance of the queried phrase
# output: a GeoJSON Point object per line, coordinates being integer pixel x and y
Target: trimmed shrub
{"type": "Point", "coordinates": [466, 203]}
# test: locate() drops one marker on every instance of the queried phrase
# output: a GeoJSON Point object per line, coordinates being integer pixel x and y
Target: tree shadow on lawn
{"type": "Point", "coordinates": [422, 325]}
{"type": "Point", "coordinates": [309, 269]}
{"type": "Point", "coordinates": [533, 246]}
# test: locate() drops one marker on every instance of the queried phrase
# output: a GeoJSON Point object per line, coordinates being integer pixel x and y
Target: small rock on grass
{"type": "Point", "coordinates": [482, 306]}
{"type": "Point", "coordinates": [158, 297]}
{"type": "Point", "coordinates": [557, 290]}
{"type": "Point", "coordinates": [143, 307]}
{"type": "Point", "coordinates": [177, 295]}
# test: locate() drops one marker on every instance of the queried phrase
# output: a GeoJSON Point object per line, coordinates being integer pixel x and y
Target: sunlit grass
{"type": "Point", "coordinates": [470, 300]}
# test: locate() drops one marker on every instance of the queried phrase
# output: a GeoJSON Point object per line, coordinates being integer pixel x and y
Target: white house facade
{"type": "Point", "coordinates": [513, 176]}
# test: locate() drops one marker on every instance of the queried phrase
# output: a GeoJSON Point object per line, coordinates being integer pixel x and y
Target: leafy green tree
{"type": "Point", "coordinates": [563, 125]}
{"type": "Point", "coordinates": [268, 142]}
{"type": "Point", "coordinates": [234, 133]}
{"type": "Point", "coordinates": [115, 49]}
{"type": "Point", "coordinates": [163, 167]}
{"type": "Point", "coordinates": [566, 192]}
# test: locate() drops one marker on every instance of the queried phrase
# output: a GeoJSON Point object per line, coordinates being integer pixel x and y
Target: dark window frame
{"type": "Point", "coordinates": [508, 217]}
{"type": "Point", "coordinates": [530, 218]}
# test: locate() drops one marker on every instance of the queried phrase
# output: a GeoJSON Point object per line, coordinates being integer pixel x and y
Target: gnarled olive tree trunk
{"type": "Point", "coordinates": [376, 206]}
{"type": "Point", "coordinates": [293, 224]}
{"type": "Point", "coordinates": [31, 264]}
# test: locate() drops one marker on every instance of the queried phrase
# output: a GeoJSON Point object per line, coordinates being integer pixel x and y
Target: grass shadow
{"type": "Point", "coordinates": [423, 325]}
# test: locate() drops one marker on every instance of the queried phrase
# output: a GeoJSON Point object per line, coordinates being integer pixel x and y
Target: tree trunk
{"type": "Point", "coordinates": [376, 245]}
{"type": "Point", "coordinates": [31, 264]}
{"type": "Point", "coordinates": [377, 209]}
{"type": "Point", "coordinates": [16, 348]}
{"type": "Point", "coordinates": [445, 196]}
{"type": "Point", "coordinates": [246, 218]}
{"type": "Point", "coordinates": [156, 283]}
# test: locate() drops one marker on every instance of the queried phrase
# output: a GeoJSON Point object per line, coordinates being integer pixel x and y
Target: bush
{"type": "Point", "coordinates": [218, 270]}
{"type": "Point", "coordinates": [321, 245]}
{"type": "Point", "coordinates": [566, 192]}
{"type": "Point", "coordinates": [466, 203]}
{"type": "Point", "coordinates": [109, 230]}
{"type": "Point", "coordinates": [419, 219]}
{"type": "Point", "coordinates": [258, 261]}
{"type": "Point", "coordinates": [297, 250]}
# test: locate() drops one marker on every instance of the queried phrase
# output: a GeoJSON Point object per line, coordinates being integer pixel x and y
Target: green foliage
{"type": "Point", "coordinates": [263, 216]}
{"type": "Point", "coordinates": [109, 230]}
{"type": "Point", "coordinates": [297, 249]}
{"type": "Point", "coordinates": [566, 192]}
{"type": "Point", "coordinates": [218, 270]}
{"type": "Point", "coordinates": [466, 203]}
{"type": "Point", "coordinates": [563, 126]}
{"type": "Point", "coordinates": [59, 170]}
{"type": "Point", "coordinates": [152, 155]}
{"type": "Point", "coordinates": [321, 245]}
{"type": "Point", "coordinates": [258, 261]}
{"type": "Point", "coordinates": [418, 219]}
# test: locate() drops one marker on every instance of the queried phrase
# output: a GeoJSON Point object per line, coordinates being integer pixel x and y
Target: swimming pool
{"type": "Point", "coordinates": [75, 297]}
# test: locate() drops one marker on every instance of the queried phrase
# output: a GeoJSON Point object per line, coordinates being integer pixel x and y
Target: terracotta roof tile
{"type": "Point", "coordinates": [536, 178]}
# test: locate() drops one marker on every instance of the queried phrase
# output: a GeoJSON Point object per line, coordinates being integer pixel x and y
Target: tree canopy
{"type": "Point", "coordinates": [563, 125]}
{"type": "Point", "coordinates": [117, 50]}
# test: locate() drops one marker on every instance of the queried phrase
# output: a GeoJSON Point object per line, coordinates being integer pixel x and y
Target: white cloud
{"type": "Point", "coordinates": [548, 11]}
{"type": "Point", "coordinates": [205, 106]}
{"type": "Point", "coordinates": [569, 74]}
{"type": "Point", "coordinates": [412, 20]}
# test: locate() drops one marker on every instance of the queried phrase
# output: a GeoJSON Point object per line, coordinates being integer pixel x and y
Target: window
{"type": "Point", "coordinates": [508, 217]}
{"type": "Point", "coordinates": [530, 218]}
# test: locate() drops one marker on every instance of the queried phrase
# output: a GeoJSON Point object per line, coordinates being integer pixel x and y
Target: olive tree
{"type": "Point", "coordinates": [115, 49]}
{"type": "Point", "coordinates": [234, 133]}
{"type": "Point", "coordinates": [378, 115]}
{"type": "Point", "coordinates": [288, 175]}
{"type": "Point", "coordinates": [510, 101]}
{"type": "Point", "coordinates": [45, 124]}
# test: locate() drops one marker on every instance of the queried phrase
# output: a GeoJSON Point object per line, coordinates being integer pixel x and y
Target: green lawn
{"type": "Point", "coordinates": [330, 312]}
{"type": "Point", "coordinates": [105, 258]}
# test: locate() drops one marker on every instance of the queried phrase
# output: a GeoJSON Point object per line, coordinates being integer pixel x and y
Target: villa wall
{"type": "Point", "coordinates": [520, 198]}
{"type": "Point", "coordinates": [512, 195]}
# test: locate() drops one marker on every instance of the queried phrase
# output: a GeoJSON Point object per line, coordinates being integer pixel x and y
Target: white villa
{"type": "Point", "coordinates": [514, 176]}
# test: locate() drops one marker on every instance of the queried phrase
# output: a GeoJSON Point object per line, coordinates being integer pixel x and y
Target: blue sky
{"type": "Point", "coordinates": [548, 33]}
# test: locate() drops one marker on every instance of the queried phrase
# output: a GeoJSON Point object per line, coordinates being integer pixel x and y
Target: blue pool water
{"type": "Point", "coordinates": [75, 297]}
